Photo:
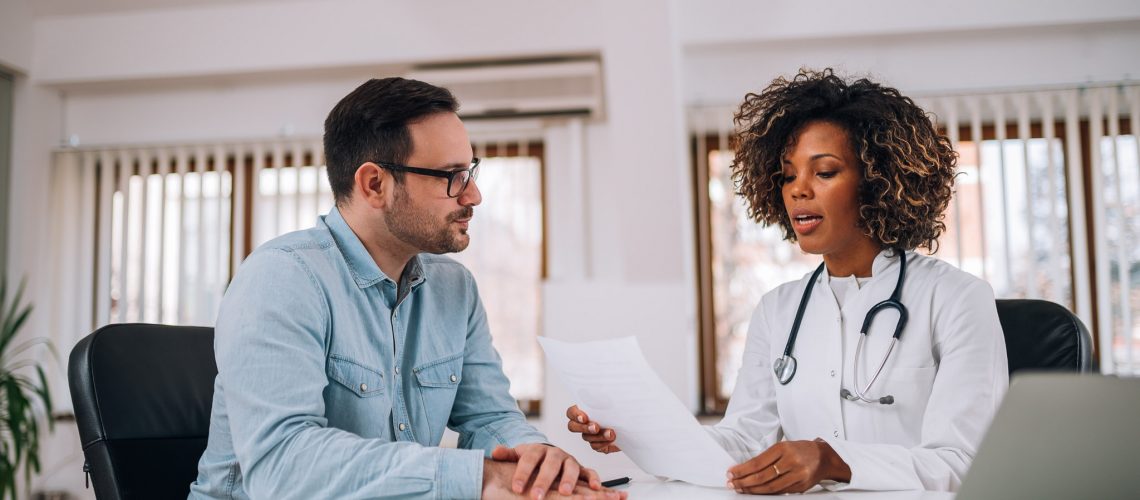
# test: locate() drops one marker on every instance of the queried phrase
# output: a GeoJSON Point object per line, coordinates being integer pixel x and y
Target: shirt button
{"type": "Point", "coordinates": [454, 378]}
{"type": "Point", "coordinates": [402, 427]}
{"type": "Point", "coordinates": [397, 370]}
{"type": "Point", "coordinates": [832, 373]}
{"type": "Point", "coordinates": [363, 387]}
{"type": "Point", "coordinates": [836, 433]}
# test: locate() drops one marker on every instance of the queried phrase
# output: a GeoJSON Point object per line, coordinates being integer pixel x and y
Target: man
{"type": "Point", "coordinates": [344, 350]}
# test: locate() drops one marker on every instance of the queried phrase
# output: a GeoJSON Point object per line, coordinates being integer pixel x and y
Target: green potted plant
{"type": "Point", "coordinates": [24, 398]}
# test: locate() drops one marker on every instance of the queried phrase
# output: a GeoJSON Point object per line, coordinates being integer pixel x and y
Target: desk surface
{"type": "Point", "coordinates": [643, 485]}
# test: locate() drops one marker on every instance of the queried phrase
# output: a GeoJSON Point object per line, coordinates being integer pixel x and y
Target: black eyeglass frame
{"type": "Point", "coordinates": [450, 175]}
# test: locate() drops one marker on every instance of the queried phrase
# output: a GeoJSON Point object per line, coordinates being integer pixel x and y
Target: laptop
{"type": "Point", "coordinates": [1061, 436]}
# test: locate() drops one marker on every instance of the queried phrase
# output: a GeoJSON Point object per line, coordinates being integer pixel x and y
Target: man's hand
{"type": "Point", "coordinates": [545, 464]}
{"type": "Point", "coordinates": [600, 438]}
{"type": "Point", "coordinates": [498, 483]}
{"type": "Point", "coordinates": [789, 467]}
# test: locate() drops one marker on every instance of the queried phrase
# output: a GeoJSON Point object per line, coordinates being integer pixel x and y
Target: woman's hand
{"type": "Point", "coordinates": [600, 438]}
{"type": "Point", "coordinates": [789, 467]}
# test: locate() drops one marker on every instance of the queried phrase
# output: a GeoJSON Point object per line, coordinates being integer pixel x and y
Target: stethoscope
{"type": "Point", "coordinates": [785, 366]}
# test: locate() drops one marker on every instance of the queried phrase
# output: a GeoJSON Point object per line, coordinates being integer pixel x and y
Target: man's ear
{"type": "Point", "coordinates": [372, 184]}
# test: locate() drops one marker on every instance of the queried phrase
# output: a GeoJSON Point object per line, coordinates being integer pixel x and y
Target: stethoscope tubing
{"type": "Point", "coordinates": [785, 366]}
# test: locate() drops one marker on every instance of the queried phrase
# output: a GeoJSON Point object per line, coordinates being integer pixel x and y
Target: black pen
{"type": "Point", "coordinates": [615, 482]}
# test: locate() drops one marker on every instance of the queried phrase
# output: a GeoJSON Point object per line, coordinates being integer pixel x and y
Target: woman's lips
{"type": "Point", "coordinates": [806, 224]}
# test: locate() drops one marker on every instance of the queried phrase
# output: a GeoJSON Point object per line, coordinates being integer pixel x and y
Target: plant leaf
{"type": "Point", "coordinates": [24, 399]}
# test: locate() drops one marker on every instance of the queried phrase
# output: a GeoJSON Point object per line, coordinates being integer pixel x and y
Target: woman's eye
{"type": "Point", "coordinates": [784, 179]}
{"type": "Point", "coordinates": [827, 175]}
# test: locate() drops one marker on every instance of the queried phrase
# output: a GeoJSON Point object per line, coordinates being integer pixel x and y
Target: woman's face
{"type": "Point", "coordinates": [821, 191]}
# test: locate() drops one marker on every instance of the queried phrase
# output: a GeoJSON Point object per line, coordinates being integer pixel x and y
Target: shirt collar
{"type": "Point", "coordinates": [364, 270]}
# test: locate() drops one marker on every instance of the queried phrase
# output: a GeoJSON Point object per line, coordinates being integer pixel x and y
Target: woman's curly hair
{"type": "Point", "coordinates": [908, 166]}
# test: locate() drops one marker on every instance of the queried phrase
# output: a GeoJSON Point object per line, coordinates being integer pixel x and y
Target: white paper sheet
{"type": "Point", "coordinates": [613, 383]}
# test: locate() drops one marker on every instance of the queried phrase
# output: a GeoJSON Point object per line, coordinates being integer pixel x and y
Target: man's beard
{"type": "Point", "coordinates": [420, 231]}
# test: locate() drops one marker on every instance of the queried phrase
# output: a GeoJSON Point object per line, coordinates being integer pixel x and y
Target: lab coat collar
{"type": "Point", "coordinates": [883, 263]}
{"type": "Point", "coordinates": [886, 260]}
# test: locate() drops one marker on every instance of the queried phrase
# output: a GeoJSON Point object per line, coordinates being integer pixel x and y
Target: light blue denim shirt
{"type": "Point", "coordinates": [334, 381]}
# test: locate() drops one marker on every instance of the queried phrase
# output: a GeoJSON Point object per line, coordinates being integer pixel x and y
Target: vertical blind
{"type": "Point", "coordinates": [1018, 218]}
{"type": "Point", "coordinates": [154, 233]}
{"type": "Point", "coordinates": [1046, 146]}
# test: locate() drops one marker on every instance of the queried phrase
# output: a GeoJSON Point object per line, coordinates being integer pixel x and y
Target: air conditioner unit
{"type": "Point", "coordinates": [517, 89]}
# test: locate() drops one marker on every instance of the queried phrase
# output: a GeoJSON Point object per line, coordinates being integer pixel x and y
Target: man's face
{"type": "Point", "coordinates": [421, 214]}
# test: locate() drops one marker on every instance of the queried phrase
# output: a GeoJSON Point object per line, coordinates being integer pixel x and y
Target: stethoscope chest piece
{"type": "Point", "coordinates": [785, 368]}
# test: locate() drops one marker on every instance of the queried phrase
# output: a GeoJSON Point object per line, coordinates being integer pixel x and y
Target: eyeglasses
{"type": "Point", "coordinates": [457, 180]}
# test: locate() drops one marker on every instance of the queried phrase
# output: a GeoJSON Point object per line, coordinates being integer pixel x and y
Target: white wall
{"type": "Point", "coordinates": [15, 35]}
{"type": "Point", "coordinates": [35, 122]}
{"type": "Point", "coordinates": [274, 36]}
{"type": "Point", "coordinates": [933, 62]}
{"type": "Point", "coordinates": [717, 22]}
{"type": "Point", "coordinates": [15, 58]}
{"type": "Point", "coordinates": [621, 231]}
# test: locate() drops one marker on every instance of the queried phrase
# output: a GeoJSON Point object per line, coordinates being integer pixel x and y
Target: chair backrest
{"type": "Point", "coordinates": [1044, 336]}
{"type": "Point", "coordinates": [142, 395]}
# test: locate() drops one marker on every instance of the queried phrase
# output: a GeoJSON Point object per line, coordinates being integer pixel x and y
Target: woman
{"type": "Point", "coordinates": [856, 173]}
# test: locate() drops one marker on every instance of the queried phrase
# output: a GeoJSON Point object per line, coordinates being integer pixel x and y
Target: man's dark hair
{"type": "Point", "coordinates": [371, 124]}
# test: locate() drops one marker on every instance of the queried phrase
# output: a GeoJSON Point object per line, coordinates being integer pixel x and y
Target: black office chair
{"type": "Point", "coordinates": [1044, 336]}
{"type": "Point", "coordinates": [142, 396]}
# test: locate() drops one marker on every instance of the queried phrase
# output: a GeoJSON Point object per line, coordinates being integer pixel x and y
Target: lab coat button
{"type": "Point", "coordinates": [832, 373]}
{"type": "Point", "coordinates": [402, 427]}
{"type": "Point", "coordinates": [836, 433]}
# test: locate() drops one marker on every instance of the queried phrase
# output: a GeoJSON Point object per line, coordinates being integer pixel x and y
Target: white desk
{"type": "Point", "coordinates": [643, 485]}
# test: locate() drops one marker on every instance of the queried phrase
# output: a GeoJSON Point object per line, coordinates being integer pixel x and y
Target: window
{"type": "Point", "coordinates": [169, 225]}
{"type": "Point", "coordinates": [509, 222]}
{"type": "Point", "coordinates": [1029, 216]}
{"type": "Point", "coordinates": [1122, 252]}
{"type": "Point", "coordinates": [741, 261]}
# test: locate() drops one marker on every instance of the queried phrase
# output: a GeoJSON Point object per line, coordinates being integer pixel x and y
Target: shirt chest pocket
{"type": "Point", "coordinates": [362, 381]}
{"type": "Point", "coordinates": [437, 384]}
{"type": "Point", "coordinates": [355, 397]}
{"type": "Point", "coordinates": [446, 372]}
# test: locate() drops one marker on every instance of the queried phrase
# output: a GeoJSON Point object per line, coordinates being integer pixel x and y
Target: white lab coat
{"type": "Point", "coordinates": [947, 374]}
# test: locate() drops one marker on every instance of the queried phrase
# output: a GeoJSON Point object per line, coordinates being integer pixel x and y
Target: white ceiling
{"type": "Point", "coordinates": [49, 8]}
